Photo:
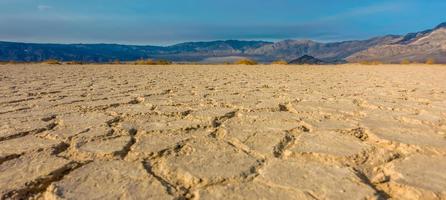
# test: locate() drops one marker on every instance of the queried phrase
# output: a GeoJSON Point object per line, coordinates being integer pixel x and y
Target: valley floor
{"type": "Point", "coordinates": [223, 132]}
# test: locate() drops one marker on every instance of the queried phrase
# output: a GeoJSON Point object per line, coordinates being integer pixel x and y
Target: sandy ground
{"type": "Point", "coordinates": [222, 132]}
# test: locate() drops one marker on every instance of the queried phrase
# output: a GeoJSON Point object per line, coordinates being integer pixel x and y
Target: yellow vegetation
{"type": "Point", "coordinates": [163, 62]}
{"type": "Point", "coordinates": [280, 62]}
{"type": "Point", "coordinates": [74, 63]}
{"type": "Point", "coordinates": [52, 62]}
{"type": "Point", "coordinates": [152, 62]}
{"type": "Point", "coordinates": [246, 62]}
{"type": "Point", "coordinates": [430, 61]}
{"type": "Point", "coordinates": [405, 62]}
{"type": "Point", "coordinates": [376, 62]}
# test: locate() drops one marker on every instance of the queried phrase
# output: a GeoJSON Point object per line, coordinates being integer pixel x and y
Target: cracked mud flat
{"type": "Point", "coordinates": [222, 132]}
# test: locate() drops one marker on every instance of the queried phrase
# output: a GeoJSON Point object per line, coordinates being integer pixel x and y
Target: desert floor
{"type": "Point", "coordinates": [223, 132]}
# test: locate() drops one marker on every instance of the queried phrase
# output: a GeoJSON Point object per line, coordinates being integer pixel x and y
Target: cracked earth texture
{"type": "Point", "coordinates": [222, 132]}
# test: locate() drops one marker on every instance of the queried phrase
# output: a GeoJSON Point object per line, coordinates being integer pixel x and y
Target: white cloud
{"type": "Point", "coordinates": [43, 7]}
{"type": "Point", "coordinates": [367, 10]}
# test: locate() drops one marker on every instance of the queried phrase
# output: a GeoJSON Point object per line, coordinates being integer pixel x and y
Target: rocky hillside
{"type": "Point", "coordinates": [293, 49]}
{"type": "Point", "coordinates": [415, 47]}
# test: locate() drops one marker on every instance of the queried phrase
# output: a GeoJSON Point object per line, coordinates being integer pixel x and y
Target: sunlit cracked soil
{"type": "Point", "coordinates": [222, 132]}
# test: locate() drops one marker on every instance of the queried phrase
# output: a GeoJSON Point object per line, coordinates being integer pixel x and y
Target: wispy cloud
{"type": "Point", "coordinates": [44, 7]}
{"type": "Point", "coordinates": [367, 10]}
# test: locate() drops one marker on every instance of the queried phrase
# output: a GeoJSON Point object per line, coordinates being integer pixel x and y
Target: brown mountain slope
{"type": "Point", "coordinates": [292, 49]}
{"type": "Point", "coordinates": [413, 47]}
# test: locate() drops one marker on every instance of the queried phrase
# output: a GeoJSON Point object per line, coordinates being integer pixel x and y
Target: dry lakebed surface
{"type": "Point", "coordinates": [222, 132]}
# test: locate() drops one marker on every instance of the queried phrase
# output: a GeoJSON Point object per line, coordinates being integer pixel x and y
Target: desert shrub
{"type": "Point", "coordinates": [430, 61]}
{"type": "Point", "coordinates": [115, 62]}
{"type": "Point", "coordinates": [246, 62]}
{"type": "Point", "coordinates": [405, 62]}
{"type": "Point", "coordinates": [376, 62]}
{"type": "Point", "coordinates": [52, 62]}
{"type": "Point", "coordinates": [363, 62]}
{"type": "Point", "coordinates": [144, 62]}
{"type": "Point", "coordinates": [163, 62]}
{"type": "Point", "coordinates": [152, 62]}
{"type": "Point", "coordinates": [280, 62]}
{"type": "Point", "coordinates": [74, 63]}
{"type": "Point", "coordinates": [138, 62]}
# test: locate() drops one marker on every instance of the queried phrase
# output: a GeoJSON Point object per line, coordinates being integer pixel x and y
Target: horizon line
{"type": "Point", "coordinates": [195, 41]}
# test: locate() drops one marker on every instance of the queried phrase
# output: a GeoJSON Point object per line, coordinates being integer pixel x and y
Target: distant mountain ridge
{"type": "Point", "coordinates": [416, 47]}
{"type": "Point", "coordinates": [419, 46]}
{"type": "Point", "coordinates": [191, 51]}
{"type": "Point", "coordinates": [330, 52]}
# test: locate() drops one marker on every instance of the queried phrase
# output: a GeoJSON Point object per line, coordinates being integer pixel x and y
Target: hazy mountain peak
{"type": "Point", "coordinates": [436, 37]}
{"type": "Point", "coordinates": [416, 47]}
{"type": "Point", "coordinates": [442, 25]}
{"type": "Point", "coordinates": [411, 37]}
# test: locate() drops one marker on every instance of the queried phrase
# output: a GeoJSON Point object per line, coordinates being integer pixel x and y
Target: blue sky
{"type": "Point", "coordinates": [163, 22]}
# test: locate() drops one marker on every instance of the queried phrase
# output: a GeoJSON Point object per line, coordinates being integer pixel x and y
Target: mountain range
{"type": "Point", "coordinates": [418, 46]}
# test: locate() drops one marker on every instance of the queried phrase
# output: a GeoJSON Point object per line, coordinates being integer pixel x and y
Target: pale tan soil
{"type": "Point", "coordinates": [222, 132]}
